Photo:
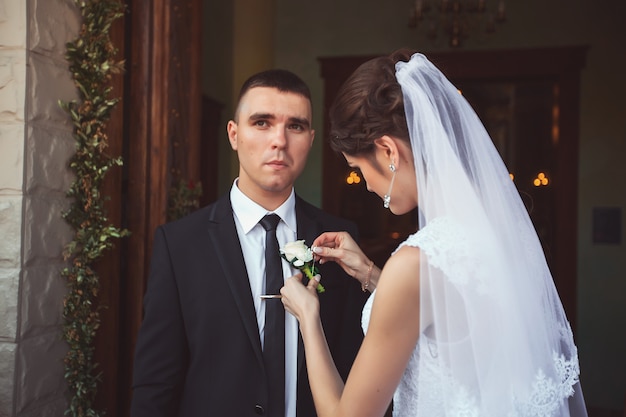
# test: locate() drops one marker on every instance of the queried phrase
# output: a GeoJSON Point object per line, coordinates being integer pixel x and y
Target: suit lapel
{"type": "Point", "coordinates": [225, 242]}
{"type": "Point", "coordinates": [308, 229]}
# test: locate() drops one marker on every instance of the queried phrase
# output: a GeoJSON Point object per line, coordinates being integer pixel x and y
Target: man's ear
{"type": "Point", "coordinates": [231, 129]}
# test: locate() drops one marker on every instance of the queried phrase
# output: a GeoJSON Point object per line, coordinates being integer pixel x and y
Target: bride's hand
{"type": "Point", "coordinates": [300, 300]}
{"type": "Point", "coordinates": [339, 247]}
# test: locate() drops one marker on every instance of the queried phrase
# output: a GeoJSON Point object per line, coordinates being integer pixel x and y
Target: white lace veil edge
{"type": "Point", "coordinates": [493, 315]}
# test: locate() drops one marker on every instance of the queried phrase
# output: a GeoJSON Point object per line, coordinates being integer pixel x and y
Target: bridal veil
{"type": "Point", "coordinates": [495, 322]}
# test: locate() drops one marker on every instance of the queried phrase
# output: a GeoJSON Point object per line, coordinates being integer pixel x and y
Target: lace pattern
{"type": "Point", "coordinates": [449, 248]}
{"type": "Point", "coordinates": [547, 394]}
{"type": "Point", "coordinates": [428, 387]}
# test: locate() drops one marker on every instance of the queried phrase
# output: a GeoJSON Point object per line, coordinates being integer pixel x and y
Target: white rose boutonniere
{"type": "Point", "coordinates": [300, 256]}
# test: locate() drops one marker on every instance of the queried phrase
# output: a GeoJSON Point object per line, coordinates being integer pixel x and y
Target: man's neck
{"type": "Point", "coordinates": [269, 200]}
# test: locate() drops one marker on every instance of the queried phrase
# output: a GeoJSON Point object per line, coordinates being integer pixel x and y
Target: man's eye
{"type": "Point", "coordinates": [296, 127]}
{"type": "Point", "coordinates": [261, 123]}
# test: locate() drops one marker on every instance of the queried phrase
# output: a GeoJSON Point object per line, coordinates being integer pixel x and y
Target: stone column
{"type": "Point", "coordinates": [35, 145]}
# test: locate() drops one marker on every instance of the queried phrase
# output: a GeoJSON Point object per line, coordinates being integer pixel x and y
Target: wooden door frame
{"type": "Point", "coordinates": [563, 66]}
{"type": "Point", "coordinates": [161, 99]}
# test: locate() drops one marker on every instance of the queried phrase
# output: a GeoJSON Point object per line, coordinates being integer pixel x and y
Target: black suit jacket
{"type": "Point", "coordinates": [198, 350]}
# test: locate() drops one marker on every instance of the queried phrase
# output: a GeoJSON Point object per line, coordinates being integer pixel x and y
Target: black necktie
{"type": "Point", "coordinates": [274, 345]}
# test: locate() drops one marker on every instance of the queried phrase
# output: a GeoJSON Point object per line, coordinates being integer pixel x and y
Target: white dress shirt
{"type": "Point", "coordinates": [247, 215]}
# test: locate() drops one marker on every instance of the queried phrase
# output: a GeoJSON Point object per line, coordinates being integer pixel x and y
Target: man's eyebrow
{"type": "Point", "coordinates": [261, 116]}
{"type": "Point", "coordinates": [303, 121]}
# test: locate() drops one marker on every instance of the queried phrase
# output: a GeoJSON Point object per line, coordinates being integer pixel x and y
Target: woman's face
{"type": "Point", "coordinates": [378, 176]}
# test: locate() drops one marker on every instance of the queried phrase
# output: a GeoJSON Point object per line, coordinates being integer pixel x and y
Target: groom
{"type": "Point", "coordinates": [200, 349]}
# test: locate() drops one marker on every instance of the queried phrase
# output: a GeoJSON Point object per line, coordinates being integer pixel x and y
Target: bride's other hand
{"type": "Point", "coordinates": [300, 300]}
{"type": "Point", "coordinates": [339, 247]}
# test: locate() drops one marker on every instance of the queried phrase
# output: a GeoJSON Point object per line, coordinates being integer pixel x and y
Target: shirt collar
{"type": "Point", "coordinates": [249, 213]}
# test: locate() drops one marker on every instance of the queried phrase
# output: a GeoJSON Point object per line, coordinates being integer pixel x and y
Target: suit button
{"type": "Point", "coordinates": [259, 409]}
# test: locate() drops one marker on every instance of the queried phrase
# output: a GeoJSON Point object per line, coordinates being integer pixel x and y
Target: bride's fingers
{"type": "Point", "coordinates": [324, 251]}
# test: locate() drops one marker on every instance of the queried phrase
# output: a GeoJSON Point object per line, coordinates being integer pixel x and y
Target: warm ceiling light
{"type": "Point", "coordinates": [541, 180]}
{"type": "Point", "coordinates": [353, 178]}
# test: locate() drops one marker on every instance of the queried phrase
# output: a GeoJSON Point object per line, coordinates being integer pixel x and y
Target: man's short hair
{"type": "Point", "coordinates": [282, 80]}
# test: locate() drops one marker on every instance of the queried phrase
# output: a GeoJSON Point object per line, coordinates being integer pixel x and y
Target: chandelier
{"type": "Point", "coordinates": [455, 18]}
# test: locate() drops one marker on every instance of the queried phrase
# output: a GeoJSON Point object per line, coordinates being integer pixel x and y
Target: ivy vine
{"type": "Point", "coordinates": [184, 198]}
{"type": "Point", "coordinates": [92, 63]}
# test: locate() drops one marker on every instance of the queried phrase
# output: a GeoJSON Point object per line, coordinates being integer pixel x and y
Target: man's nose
{"type": "Point", "coordinates": [279, 138]}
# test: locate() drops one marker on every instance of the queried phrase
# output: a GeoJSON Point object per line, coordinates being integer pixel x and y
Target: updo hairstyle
{"type": "Point", "coordinates": [369, 105]}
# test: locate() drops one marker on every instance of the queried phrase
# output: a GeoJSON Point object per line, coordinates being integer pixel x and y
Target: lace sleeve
{"type": "Point", "coordinates": [449, 248]}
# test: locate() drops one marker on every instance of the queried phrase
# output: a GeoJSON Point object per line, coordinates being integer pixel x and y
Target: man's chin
{"type": "Point", "coordinates": [279, 183]}
{"type": "Point", "coordinates": [278, 188]}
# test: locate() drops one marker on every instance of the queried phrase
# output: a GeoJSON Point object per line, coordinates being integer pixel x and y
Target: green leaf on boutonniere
{"type": "Point", "coordinates": [300, 256]}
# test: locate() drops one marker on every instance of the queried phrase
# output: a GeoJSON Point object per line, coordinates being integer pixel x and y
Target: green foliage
{"type": "Point", "coordinates": [92, 62]}
{"type": "Point", "coordinates": [184, 197]}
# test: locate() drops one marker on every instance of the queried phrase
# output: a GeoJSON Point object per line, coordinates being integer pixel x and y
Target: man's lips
{"type": "Point", "coordinates": [276, 164]}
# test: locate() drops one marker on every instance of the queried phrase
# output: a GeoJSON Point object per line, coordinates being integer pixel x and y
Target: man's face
{"type": "Point", "coordinates": [272, 136]}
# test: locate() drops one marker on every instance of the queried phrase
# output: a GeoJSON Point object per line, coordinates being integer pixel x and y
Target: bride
{"type": "Point", "coordinates": [464, 318]}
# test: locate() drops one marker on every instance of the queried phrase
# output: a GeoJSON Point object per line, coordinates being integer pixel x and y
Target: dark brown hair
{"type": "Point", "coordinates": [369, 105]}
{"type": "Point", "coordinates": [280, 79]}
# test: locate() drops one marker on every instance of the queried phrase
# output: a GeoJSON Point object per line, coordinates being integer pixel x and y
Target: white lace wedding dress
{"type": "Point", "coordinates": [427, 387]}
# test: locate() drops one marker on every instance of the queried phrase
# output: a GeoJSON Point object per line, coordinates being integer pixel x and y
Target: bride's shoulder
{"type": "Point", "coordinates": [438, 233]}
{"type": "Point", "coordinates": [449, 245]}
